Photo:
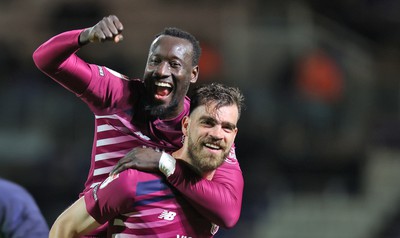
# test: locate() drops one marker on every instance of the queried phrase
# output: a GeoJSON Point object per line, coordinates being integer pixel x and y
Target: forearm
{"type": "Point", "coordinates": [56, 58]}
{"type": "Point", "coordinates": [68, 229]}
{"type": "Point", "coordinates": [52, 53]}
{"type": "Point", "coordinates": [60, 230]}
{"type": "Point", "coordinates": [219, 200]}
{"type": "Point", "coordinates": [73, 222]}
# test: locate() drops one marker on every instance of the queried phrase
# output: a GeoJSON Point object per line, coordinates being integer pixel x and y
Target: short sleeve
{"type": "Point", "coordinates": [113, 196]}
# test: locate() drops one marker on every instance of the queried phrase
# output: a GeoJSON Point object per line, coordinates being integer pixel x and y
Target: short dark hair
{"type": "Point", "coordinates": [217, 93]}
{"type": "Point", "coordinates": [176, 32]}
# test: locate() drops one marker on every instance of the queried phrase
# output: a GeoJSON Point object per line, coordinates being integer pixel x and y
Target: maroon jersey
{"type": "Point", "coordinates": [121, 125]}
{"type": "Point", "coordinates": [139, 204]}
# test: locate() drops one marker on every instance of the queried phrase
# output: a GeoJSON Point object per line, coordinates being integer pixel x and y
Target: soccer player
{"type": "Point", "coordinates": [140, 204]}
{"type": "Point", "coordinates": [132, 113]}
{"type": "Point", "coordinates": [20, 216]}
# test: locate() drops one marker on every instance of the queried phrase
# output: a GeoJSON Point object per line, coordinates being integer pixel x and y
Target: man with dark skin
{"type": "Point", "coordinates": [209, 129]}
{"type": "Point", "coordinates": [132, 113]}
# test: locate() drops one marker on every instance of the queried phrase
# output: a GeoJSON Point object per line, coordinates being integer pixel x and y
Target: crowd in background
{"type": "Point", "coordinates": [320, 80]}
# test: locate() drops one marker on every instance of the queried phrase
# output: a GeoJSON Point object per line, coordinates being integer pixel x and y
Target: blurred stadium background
{"type": "Point", "coordinates": [318, 143]}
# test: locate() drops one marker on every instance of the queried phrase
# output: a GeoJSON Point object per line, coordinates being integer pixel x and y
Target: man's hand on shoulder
{"type": "Point", "coordinates": [140, 158]}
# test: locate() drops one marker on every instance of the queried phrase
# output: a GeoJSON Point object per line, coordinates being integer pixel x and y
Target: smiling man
{"type": "Point", "coordinates": [168, 73]}
{"type": "Point", "coordinates": [140, 204]}
{"type": "Point", "coordinates": [132, 113]}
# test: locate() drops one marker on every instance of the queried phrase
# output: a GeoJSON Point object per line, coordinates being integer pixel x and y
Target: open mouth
{"type": "Point", "coordinates": [162, 89]}
{"type": "Point", "coordinates": [212, 146]}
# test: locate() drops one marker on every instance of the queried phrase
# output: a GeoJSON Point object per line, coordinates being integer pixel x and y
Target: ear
{"type": "Point", "coordinates": [236, 131]}
{"type": "Point", "coordinates": [185, 125]}
{"type": "Point", "coordinates": [195, 74]}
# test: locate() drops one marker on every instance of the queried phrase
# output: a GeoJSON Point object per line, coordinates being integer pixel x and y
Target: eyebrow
{"type": "Point", "coordinates": [224, 123]}
{"type": "Point", "coordinates": [162, 57]}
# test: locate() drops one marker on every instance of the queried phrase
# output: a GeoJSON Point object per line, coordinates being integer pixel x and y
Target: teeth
{"type": "Point", "coordinates": [162, 84]}
{"type": "Point", "coordinates": [212, 146]}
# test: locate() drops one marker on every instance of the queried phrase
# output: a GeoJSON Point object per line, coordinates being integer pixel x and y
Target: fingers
{"type": "Point", "coordinates": [109, 28]}
{"type": "Point", "coordinates": [117, 23]}
{"type": "Point", "coordinates": [122, 165]}
{"type": "Point", "coordinates": [118, 38]}
{"type": "Point", "coordinates": [145, 159]}
{"type": "Point", "coordinates": [119, 168]}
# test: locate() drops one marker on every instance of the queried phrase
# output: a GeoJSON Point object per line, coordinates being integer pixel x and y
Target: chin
{"type": "Point", "coordinates": [157, 110]}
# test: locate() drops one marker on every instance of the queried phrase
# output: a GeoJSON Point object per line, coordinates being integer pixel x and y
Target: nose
{"type": "Point", "coordinates": [217, 133]}
{"type": "Point", "coordinates": [163, 69]}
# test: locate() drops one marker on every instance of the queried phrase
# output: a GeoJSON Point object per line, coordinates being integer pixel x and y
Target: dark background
{"type": "Point", "coordinates": [318, 142]}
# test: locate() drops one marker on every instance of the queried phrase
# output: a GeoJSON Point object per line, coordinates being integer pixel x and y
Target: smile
{"type": "Point", "coordinates": [162, 89]}
{"type": "Point", "coordinates": [212, 146]}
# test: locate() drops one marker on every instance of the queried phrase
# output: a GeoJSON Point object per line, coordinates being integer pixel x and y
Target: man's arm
{"type": "Point", "coordinates": [57, 59]}
{"type": "Point", "coordinates": [73, 222]}
{"type": "Point", "coordinates": [219, 200]}
{"type": "Point", "coordinates": [100, 204]}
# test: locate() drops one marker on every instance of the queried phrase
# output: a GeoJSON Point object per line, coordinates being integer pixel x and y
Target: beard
{"type": "Point", "coordinates": [205, 161]}
{"type": "Point", "coordinates": [161, 110]}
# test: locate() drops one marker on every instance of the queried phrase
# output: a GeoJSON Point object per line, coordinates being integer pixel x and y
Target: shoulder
{"type": "Point", "coordinates": [16, 198]}
{"type": "Point", "coordinates": [125, 178]}
{"type": "Point", "coordinates": [11, 189]}
{"type": "Point", "coordinates": [231, 158]}
{"type": "Point", "coordinates": [118, 188]}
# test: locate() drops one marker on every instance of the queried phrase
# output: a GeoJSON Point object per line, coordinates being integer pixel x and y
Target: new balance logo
{"type": "Point", "coordinates": [178, 236]}
{"type": "Point", "coordinates": [166, 215]}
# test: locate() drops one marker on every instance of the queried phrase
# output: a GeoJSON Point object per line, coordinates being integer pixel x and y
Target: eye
{"type": "Point", "coordinates": [207, 123]}
{"type": "Point", "coordinates": [175, 64]}
{"type": "Point", "coordinates": [229, 128]}
{"type": "Point", "coordinates": [154, 61]}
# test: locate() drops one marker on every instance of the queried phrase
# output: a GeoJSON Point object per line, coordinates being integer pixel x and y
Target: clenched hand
{"type": "Point", "coordinates": [108, 29]}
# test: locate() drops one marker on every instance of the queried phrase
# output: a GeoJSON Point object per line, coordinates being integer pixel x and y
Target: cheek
{"type": "Point", "coordinates": [197, 133]}
{"type": "Point", "coordinates": [183, 79]}
{"type": "Point", "coordinates": [230, 139]}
